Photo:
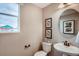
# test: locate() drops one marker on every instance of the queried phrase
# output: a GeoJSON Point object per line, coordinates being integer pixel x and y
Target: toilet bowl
{"type": "Point", "coordinates": [46, 48]}
{"type": "Point", "coordinates": [40, 53]}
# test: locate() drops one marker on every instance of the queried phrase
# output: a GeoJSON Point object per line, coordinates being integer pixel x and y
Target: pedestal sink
{"type": "Point", "coordinates": [65, 49]}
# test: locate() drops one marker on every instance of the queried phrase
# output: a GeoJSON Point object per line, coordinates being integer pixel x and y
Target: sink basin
{"type": "Point", "coordinates": [71, 49]}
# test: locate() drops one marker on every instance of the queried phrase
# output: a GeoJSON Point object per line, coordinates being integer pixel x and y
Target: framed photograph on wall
{"type": "Point", "coordinates": [48, 23]}
{"type": "Point", "coordinates": [69, 27]}
{"type": "Point", "coordinates": [48, 33]}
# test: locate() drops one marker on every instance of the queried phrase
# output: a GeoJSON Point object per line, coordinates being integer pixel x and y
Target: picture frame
{"type": "Point", "coordinates": [69, 27]}
{"type": "Point", "coordinates": [48, 23]}
{"type": "Point", "coordinates": [48, 33]}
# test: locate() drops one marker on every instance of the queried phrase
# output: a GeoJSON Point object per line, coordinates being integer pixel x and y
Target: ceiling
{"type": "Point", "coordinates": [41, 5]}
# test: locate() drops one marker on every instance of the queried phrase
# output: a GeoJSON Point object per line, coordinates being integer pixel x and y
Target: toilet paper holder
{"type": "Point", "coordinates": [27, 46]}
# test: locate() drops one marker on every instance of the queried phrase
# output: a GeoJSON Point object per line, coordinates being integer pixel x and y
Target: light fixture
{"type": "Point", "coordinates": [62, 5]}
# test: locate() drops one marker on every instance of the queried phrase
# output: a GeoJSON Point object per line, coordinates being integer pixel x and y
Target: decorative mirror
{"type": "Point", "coordinates": [68, 22]}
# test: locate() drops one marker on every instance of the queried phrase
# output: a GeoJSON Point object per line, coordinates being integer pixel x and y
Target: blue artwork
{"type": "Point", "coordinates": [9, 17]}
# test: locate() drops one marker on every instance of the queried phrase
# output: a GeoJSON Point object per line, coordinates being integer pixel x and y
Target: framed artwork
{"type": "Point", "coordinates": [9, 18]}
{"type": "Point", "coordinates": [48, 23]}
{"type": "Point", "coordinates": [48, 33]}
{"type": "Point", "coordinates": [69, 27]}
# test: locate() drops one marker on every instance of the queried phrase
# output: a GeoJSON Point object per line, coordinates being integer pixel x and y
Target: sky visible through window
{"type": "Point", "coordinates": [8, 17]}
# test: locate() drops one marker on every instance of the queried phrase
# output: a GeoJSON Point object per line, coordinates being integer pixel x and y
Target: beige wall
{"type": "Point", "coordinates": [48, 12]}
{"type": "Point", "coordinates": [31, 33]}
{"type": "Point", "coordinates": [55, 13]}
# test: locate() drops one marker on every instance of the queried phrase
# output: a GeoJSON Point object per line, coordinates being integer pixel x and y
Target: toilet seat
{"type": "Point", "coordinates": [40, 53]}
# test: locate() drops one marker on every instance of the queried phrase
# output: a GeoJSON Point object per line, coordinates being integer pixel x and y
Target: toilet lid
{"type": "Point", "coordinates": [40, 53]}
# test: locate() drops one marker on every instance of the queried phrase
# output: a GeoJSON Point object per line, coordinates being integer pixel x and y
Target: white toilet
{"type": "Point", "coordinates": [46, 48]}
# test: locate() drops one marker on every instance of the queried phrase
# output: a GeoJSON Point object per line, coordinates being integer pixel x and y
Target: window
{"type": "Point", "coordinates": [9, 17]}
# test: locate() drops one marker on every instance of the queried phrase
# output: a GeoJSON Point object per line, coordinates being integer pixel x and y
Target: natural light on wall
{"type": "Point", "coordinates": [9, 17]}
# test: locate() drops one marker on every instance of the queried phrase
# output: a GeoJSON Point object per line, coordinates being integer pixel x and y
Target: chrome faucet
{"type": "Point", "coordinates": [66, 43]}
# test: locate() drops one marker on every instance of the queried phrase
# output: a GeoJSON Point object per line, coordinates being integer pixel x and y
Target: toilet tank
{"type": "Point", "coordinates": [46, 46]}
